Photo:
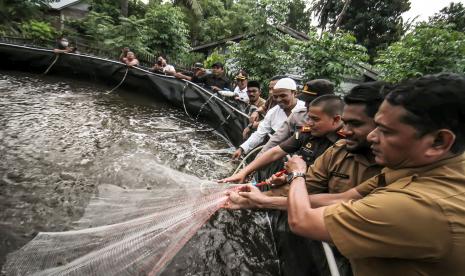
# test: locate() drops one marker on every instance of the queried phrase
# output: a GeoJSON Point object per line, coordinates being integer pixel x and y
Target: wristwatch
{"type": "Point", "coordinates": [294, 175]}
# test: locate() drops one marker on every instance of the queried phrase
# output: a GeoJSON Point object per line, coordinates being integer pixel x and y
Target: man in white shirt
{"type": "Point", "coordinates": [240, 90]}
{"type": "Point", "coordinates": [284, 95]}
{"type": "Point", "coordinates": [163, 67]}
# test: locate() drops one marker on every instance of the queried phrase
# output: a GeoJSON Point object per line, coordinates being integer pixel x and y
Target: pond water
{"type": "Point", "coordinates": [60, 139]}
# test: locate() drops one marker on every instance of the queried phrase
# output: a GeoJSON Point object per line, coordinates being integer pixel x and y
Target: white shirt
{"type": "Point", "coordinates": [273, 120]}
{"type": "Point", "coordinates": [242, 94]}
{"type": "Point", "coordinates": [169, 69]}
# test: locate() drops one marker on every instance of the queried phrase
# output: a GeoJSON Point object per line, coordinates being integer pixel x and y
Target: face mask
{"type": "Point", "coordinates": [64, 43]}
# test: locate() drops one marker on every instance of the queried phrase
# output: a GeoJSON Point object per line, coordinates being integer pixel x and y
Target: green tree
{"type": "Point", "coordinates": [264, 54]}
{"type": "Point", "coordinates": [452, 14]}
{"type": "Point", "coordinates": [331, 56]}
{"type": "Point", "coordinates": [427, 49]}
{"type": "Point", "coordinates": [375, 23]}
{"type": "Point", "coordinates": [166, 30]}
{"type": "Point", "coordinates": [299, 17]}
{"type": "Point", "coordinates": [13, 12]}
{"type": "Point", "coordinates": [38, 30]}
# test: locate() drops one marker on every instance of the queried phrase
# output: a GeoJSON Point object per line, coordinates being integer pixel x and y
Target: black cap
{"type": "Point", "coordinates": [217, 64]}
{"type": "Point", "coordinates": [315, 88]}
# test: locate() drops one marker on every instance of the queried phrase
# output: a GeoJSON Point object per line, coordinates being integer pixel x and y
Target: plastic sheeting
{"type": "Point", "coordinates": [224, 117]}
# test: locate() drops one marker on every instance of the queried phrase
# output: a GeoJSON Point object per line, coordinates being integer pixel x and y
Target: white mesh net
{"type": "Point", "coordinates": [123, 231]}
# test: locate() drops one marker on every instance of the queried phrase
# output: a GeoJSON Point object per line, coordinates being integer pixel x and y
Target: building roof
{"type": "Point", "coordinates": [61, 4]}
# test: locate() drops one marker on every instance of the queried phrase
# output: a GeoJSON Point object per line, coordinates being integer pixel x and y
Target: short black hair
{"type": "Point", "coordinates": [218, 64]}
{"type": "Point", "coordinates": [253, 83]}
{"type": "Point", "coordinates": [370, 94]}
{"type": "Point", "coordinates": [332, 105]}
{"type": "Point", "coordinates": [433, 102]}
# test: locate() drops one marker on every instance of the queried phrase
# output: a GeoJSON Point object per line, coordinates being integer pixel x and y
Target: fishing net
{"type": "Point", "coordinates": [124, 231]}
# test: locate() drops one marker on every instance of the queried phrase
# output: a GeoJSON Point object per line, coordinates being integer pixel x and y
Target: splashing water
{"type": "Point", "coordinates": [61, 144]}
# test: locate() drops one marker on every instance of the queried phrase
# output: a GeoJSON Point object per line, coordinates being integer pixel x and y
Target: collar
{"type": "Point", "coordinates": [392, 175]}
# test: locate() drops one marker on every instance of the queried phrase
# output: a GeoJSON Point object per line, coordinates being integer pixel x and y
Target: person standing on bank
{"type": "Point", "coordinates": [284, 94]}
{"type": "Point", "coordinates": [240, 90]}
{"type": "Point", "coordinates": [413, 223]}
{"type": "Point", "coordinates": [215, 81]}
{"type": "Point", "coordinates": [162, 67]}
{"type": "Point", "coordinates": [255, 102]}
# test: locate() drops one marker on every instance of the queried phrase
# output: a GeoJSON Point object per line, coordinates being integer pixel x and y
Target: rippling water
{"type": "Point", "coordinates": [60, 139]}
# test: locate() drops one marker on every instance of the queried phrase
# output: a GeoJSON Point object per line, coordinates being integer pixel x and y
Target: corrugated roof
{"type": "Point", "coordinates": [61, 4]}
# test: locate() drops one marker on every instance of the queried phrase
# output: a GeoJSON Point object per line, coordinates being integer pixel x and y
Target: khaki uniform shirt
{"type": "Point", "coordinates": [338, 170]}
{"type": "Point", "coordinates": [335, 171]}
{"type": "Point", "coordinates": [309, 146]}
{"type": "Point", "coordinates": [261, 102]}
{"type": "Point", "coordinates": [415, 225]}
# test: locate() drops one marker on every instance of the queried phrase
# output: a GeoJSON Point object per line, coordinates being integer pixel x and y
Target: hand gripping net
{"type": "Point", "coordinates": [123, 232]}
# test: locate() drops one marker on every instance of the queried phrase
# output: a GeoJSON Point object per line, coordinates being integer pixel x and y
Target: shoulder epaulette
{"type": "Point", "coordinates": [305, 129]}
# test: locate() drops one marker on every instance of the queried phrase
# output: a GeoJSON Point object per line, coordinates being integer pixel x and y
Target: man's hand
{"type": "Point", "coordinates": [236, 201]}
{"type": "Point", "coordinates": [237, 154]}
{"type": "Point", "coordinates": [248, 197]}
{"type": "Point", "coordinates": [278, 180]}
{"type": "Point", "coordinates": [296, 164]}
{"type": "Point", "coordinates": [254, 117]}
{"type": "Point", "coordinates": [254, 196]}
{"type": "Point", "coordinates": [236, 178]}
{"type": "Point", "coordinates": [215, 88]}
{"type": "Point", "coordinates": [246, 133]}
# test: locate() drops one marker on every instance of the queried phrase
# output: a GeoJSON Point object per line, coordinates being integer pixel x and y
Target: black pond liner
{"type": "Point", "coordinates": [226, 118]}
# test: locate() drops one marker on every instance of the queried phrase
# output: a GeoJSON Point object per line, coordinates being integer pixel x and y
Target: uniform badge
{"type": "Point", "coordinates": [308, 145]}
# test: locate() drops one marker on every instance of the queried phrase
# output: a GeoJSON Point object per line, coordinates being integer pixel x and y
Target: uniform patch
{"type": "Point", "coordinates": [338, 174]}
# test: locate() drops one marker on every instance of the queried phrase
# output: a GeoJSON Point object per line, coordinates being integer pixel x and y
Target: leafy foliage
{"type": "Point", "coordinates": [214, 57]}
{"type": "Point", "coordinates": [427, 49]}
{"type": "Point", "coordinates": [38, 30]}
{"type": "Point", "coordinates": [166, 30]}
{"type": "Point", "coordinates": [330, 56]}
{"type": "Point", "coordinates": [13, 13]}
{"type": "Point", "coordinates": [454, 14]}
{"type": "Point", "coordinates": [299, 17]}
{"type": "Point", "coordinates": [264, 54]}
{"type": "Point", "coordinates": [375, 23]}
{"type": "Point", "coordinates": [161, 30]}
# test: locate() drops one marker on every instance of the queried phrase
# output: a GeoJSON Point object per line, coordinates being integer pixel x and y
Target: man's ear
{"type": "Point", "coordinates": [337, 119]}
{"type": "Point", "coordinates": [442, 142]}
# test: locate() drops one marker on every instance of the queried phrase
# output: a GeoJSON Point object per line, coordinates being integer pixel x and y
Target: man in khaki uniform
{"type": "Point", "coordinates": [414, 222]}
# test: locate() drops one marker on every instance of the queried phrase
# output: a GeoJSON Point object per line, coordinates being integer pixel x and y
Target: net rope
{"type": "Point", "coordinates": [123, 232]}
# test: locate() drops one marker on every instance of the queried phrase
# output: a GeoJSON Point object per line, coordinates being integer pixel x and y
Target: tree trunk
{"type": "Point", "coordinates": [341, 15]}
{"type": "Point", "coordinates": [124, 8]}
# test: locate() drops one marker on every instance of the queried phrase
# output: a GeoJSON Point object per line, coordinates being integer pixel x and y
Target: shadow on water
{"type": "Point", "coordinates": [60, 139]}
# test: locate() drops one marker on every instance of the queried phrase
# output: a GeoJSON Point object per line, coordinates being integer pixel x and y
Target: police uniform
{"type": "Point", "coordinates": [414, 225]}
{"type": "Point", "coordinates": [308, 146]}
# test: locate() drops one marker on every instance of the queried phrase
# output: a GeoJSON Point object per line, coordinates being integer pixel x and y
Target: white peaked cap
{"type": "Point", "coordinates": [286, 83]}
